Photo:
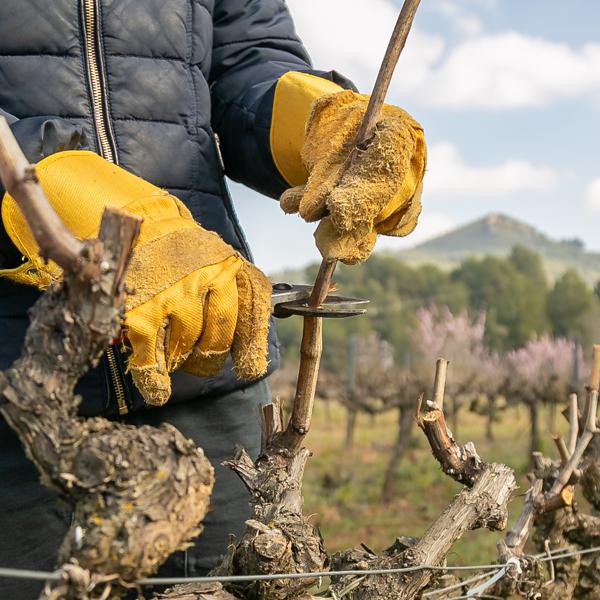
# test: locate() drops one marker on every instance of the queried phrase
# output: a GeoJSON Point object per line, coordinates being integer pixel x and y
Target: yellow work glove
{"type": "Point", "coordinates": [379, 192]}
{"type": "Point", "coordinates": [195, 298]}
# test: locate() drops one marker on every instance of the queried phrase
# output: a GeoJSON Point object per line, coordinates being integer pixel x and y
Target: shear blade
{"type": "Point", "coordinates": [333, 307]}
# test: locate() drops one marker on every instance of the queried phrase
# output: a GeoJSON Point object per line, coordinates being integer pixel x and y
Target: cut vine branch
{"type": "Point", "coordinates": [462, 463]}
{"type": "Point", "coordinates": [311, 348]}
{"type": "Point", "coordinates": [560, 493]}
{"type": "Point", "coordinates": [439, 383]}
{"type": "Point", "coordinates": [312, 334]}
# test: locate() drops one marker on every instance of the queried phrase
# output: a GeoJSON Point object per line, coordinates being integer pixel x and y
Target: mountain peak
{"type": "Point", "coordinates": [497, 234]}
{"type": "Point", "coordinates": [500, 222]}
{"type": "Point", "coordinates": [492, 234]}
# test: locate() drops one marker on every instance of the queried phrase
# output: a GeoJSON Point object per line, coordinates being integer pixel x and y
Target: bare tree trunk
{"type": "Point", "coordinates": [552, 520]}
{"type": "Point", "coordinates": [534, 427]}
{"type": "Point", "coordinates": [351, 414]}
{"type": "Point", "coordinates": [406, 420]}
{"type": "Point", "coordinates": [482, 503]}
{"type": "Point", "coordinates": [454, 416]}
{"type": "Point", "coordinates": [278, 538]}
{"type": "Point", "coordinates": [195, 591]}
{"type": "Point", "coordinates": [491, 415]}
{"type": "Point", "coordinates": [125, 521]}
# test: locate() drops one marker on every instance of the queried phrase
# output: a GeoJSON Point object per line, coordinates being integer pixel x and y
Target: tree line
{"type": "Point", "coordinates": [519, 301]}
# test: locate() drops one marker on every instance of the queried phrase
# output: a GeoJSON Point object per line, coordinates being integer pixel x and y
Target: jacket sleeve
{"type": "Point", "coordinates": [254, 44]}
{"type": "Point", "coordinates": [38, 137]}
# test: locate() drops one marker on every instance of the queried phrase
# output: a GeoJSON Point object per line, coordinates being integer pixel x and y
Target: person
{"type": "Point", "coordinates": [146, 106]}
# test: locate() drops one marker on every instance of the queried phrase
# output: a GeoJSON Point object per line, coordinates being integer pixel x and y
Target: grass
{"type": "Point", "coordinates": [342, 487]}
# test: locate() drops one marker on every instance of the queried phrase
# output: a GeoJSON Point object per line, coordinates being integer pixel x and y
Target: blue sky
{"type": "Point", "coordinates": [508, 92]}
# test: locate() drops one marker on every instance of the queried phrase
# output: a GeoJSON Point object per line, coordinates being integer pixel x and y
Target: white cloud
{"type": "Point", "coordinates": [464, 21]}
{"type": "Point", "coordinates": [511, 70]}
{"type": "Point", "coordinates": [351, 36]}
{"type": "Point", "coordinates": [592, 194]}
{"type": "Point", "coordinates": [499, 71]}
{"type": "Point", "coordinates": [449, 175]}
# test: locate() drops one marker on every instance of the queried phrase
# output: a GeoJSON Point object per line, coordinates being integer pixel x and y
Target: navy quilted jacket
{"type": "Point", "coordinates": [152, 85]}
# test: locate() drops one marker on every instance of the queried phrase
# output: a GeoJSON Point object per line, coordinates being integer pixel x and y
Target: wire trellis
{"type": "Point", "coordinates": [491, 571]}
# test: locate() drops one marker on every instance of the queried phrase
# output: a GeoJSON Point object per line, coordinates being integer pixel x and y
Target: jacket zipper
{"type": "Point", "coordinates": [95, 71]}
{"type": "Point", "coordinates": [116, 380]}
{"type": "Point", "coordinates": [106, 146]}
{"type": "Point", "coordinates": [229, 207]}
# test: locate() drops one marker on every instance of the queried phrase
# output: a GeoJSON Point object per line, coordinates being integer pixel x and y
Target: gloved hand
{"type": "Point", "coordinates": [195, 298]}
{"type": "Point", "coordinates": [377, 193]}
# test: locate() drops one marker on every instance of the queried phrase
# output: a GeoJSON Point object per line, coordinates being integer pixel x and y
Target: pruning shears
{"type": "Point", "coordinates": [288, 299]}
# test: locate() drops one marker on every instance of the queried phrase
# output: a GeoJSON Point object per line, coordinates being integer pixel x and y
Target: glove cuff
{"type": "Point", "coordinates": [295, 93]}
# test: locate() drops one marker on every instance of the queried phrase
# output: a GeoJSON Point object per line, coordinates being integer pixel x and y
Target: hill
{"type": "Point", "coordinates": [497, 234]}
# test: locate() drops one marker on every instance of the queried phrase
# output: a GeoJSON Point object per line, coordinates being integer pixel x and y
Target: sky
{"type": "Point", "coordinates": [508, 93]}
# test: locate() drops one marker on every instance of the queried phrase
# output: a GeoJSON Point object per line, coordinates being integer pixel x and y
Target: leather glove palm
{"type": "Point", "coordinates": [195, 298]}
{"type": "Point", "coordinates": [379, 192]}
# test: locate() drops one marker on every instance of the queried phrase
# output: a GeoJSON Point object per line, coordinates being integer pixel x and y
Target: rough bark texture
{"type": "Point", "coordinates": [278, 537]}
{"type": "Point", "coordinates": [551, 527]}
{"type": "Point", "coordinates": [137, 494]}
{"type": "Point", "coordinates": [590, 480]}
{"type": "Point", "coordinates": [207, 591]}
{"type": "Point", "coordinates": [483, 505]}
{"type": "Point", "coordinates": [525, 583]}
{"type": "Point", "coordinates": [574, 577]}
{"type": "Point", "coordinates": [196, 591]}
{"type": "Point", "coordinates": [462, 463]}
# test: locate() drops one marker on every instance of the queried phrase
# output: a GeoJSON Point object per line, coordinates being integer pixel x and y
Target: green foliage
{"type": "Point", "coordinates": [513, 293]}
{"type": "Point", "coordinates": [569, 303]}
{"type": "Point", "coordinates": [387, 280]}
{"type": "Point", "coordinates": [529, 263]}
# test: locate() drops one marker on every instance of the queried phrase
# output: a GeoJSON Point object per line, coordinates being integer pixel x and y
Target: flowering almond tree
{"type": "Point", "coordinates": [544, 370]}
{"type": "Point", "coordinates": [475, 370]}
{"type": "Point", "coordinates": [460, 338]}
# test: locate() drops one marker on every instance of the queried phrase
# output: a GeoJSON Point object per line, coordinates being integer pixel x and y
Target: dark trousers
{"type": "Point", "coordinates": [33, 522]}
